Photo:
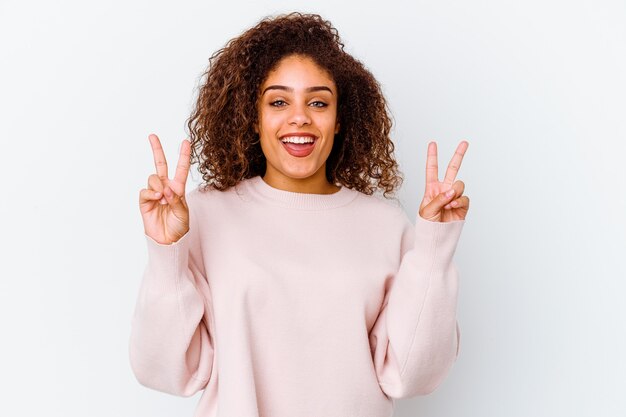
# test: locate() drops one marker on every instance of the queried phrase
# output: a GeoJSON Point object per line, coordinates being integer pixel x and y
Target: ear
{"type": "Point", "coordinates": [337, 127]}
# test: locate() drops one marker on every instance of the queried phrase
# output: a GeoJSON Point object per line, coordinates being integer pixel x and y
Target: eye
{"type": "Point", "coordinates": [278, 103]}
{"type": "Point", "coordinates": [319, 104]}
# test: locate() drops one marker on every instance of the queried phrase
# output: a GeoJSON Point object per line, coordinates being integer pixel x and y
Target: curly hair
{"type": "Point", "coordinates": [221, 127]}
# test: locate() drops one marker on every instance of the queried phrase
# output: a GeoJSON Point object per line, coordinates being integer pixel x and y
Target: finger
{"type": "Point", "coordinates": [459, 188]}
{"type": "Point", "coordinates": [176, 202]}
{"type": "Point", "coordinates": [458, 203]}
{"type": "Point", "coordinates": [432, 174]}
{"type": "Point", "coordinates": [160, 162]}
{"type": "Point", "coordinates": [155, 183]}
{"type": "Point", "coordinates": [184, 162]}
{"type": "Point", "coordinates": [437, 204]}
{"type": "Point", "coordinates": [148, 196]}
{"type": "Point", "coordinates": [455, 162]}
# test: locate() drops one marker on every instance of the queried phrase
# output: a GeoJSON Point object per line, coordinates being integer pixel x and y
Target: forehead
{"type": "Point", "coordinates": [294, 71]}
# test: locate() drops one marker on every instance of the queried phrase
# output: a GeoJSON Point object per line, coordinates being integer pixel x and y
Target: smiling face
{"type": "Point", "coordinates": [298, 103]}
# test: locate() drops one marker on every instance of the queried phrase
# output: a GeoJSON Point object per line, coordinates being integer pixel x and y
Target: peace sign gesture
{"type": "Point", "coordinates": [166, 219]}
{"type": "Point", "coordinates": [444, 201]}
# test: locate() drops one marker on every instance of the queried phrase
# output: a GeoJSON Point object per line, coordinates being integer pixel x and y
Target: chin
{"type": "Point", "coordinates": [299, 176]}
{"type": "Point", "coordinates": [299, 172]}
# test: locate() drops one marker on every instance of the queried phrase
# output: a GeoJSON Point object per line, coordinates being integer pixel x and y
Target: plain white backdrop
{"type": "Point", "coordinates": [537, 88]}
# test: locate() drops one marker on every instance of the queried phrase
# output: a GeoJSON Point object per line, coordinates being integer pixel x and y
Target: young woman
{"type": "Point", "coordinates": [282, 287]}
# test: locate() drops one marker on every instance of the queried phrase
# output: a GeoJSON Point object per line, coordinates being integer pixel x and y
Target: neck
{"type": "Point", "coordinates": [314, 184]}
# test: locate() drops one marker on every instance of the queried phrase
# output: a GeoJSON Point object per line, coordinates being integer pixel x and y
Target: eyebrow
{"type": "Point", "coordinates": [290, 89]}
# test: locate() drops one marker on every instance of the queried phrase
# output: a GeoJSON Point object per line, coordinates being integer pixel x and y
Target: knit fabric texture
{"type": "Point", "coordinates": [284, 304]}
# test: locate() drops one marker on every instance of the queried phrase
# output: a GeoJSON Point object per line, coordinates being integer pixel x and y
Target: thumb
{"type": "Point", "coordinates": [435, 207]}
{"type": "Point", "coordinates": [176, 202]}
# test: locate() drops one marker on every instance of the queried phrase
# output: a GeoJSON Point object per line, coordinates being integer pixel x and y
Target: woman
{"type": "Point", "coordinates": [283, 287]}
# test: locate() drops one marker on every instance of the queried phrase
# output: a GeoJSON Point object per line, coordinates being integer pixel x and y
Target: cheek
{"type": "Point", "coordinates": [330, 123]}
{"type": "Point", "coordinates": [269, 123]}
{"type": "Point", "coordinates": [268, 133]}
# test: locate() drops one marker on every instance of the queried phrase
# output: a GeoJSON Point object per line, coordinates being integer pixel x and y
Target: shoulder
{"type": "Point", "coordinates": [203, 194]}
{"type": "Point", "coordinates": [208, 207]}
{"type": "Point", "coordinates": [389, 211]}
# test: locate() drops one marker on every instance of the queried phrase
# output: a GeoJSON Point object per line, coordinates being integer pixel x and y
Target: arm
{"type": "Point", "coordinates": [415, 339]}
{"type": "Point", "coordinates": [170, 345]}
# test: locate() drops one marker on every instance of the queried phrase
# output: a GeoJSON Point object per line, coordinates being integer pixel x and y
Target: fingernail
{"type": "Point", "coordinates": [450, 192]}
{"type": "Point", "coordinates": [157, 194]}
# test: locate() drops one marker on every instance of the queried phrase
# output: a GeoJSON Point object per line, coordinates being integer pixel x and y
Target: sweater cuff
{"type": "Point", "coordinates": [168, 262]}
{"type": "Point", "coordinates": [441, 237]}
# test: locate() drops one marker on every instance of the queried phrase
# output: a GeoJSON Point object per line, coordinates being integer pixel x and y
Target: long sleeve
{"type": "Point", "coordinates": [415, 338]}
{"type": "Point", "coordinates": [308, 306]}
{"type": "Point", "coordinates": [171, 348]}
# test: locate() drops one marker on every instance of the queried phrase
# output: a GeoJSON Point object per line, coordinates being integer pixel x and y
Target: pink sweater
{"type": "Point", "coordinates": [282, 304]}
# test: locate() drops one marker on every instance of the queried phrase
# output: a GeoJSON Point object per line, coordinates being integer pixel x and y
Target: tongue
{"type": "Point", "coordinates": [298, 146]}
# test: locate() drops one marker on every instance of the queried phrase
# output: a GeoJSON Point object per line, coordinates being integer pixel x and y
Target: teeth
{"type": "Point", "coordinates": [298, 139]}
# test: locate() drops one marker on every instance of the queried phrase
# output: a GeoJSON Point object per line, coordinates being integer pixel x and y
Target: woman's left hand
{"type": "Point", "coordinates": [437, 205]}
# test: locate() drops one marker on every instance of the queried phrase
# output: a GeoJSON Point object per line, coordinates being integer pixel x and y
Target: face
{"type": "Point", "coordinates": [298, 103]}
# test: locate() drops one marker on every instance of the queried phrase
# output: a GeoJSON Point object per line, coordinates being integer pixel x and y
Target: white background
{"type": "Point", "coordinates": [538, 88]}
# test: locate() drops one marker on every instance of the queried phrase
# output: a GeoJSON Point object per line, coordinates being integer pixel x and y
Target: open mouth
{"type": "Point", "coordinates": [299, 146]}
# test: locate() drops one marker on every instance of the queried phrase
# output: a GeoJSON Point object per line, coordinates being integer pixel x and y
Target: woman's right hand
{"type": "Point", "coordinates": [163, 208]}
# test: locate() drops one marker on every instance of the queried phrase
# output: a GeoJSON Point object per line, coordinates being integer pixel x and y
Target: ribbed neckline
{"type": "Point", "coordinates": [300, 201]}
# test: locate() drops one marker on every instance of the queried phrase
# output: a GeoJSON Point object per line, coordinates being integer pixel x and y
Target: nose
{"type": "Point", "coordinates": [299, 115]}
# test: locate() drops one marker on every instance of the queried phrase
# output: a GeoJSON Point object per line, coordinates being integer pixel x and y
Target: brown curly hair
{"type": "Point", "coordinates": [221, 126]}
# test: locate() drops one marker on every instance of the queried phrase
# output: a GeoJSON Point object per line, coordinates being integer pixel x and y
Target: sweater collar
{"type": "Point", "coordinates": [301, 201]}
